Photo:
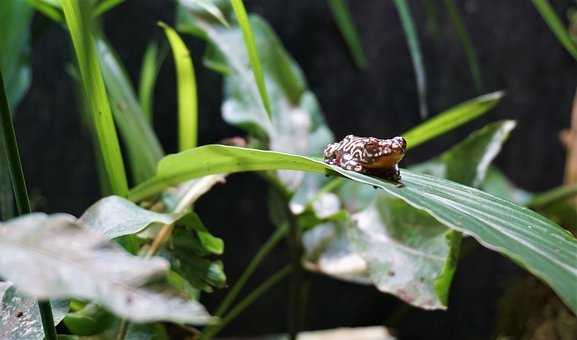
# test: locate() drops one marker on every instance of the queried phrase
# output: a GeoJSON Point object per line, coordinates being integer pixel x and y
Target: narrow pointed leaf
{"type": "Point", "coordinates": [452, 118]}
{"type": "Point", "coordinates": [187, 100]}
{"type": "Point", "coordinates": [250, 45]}
{"type": "Point", "coordinates": [556, 25]}
{"type": "Point", "coordinates": [345, 23]}
{"type": "Point", "coordinates": [80, 25]}
{"type": "Point", "coordinates": [149, 70]}
{"type": "Point", "coordinates": [415, 50]}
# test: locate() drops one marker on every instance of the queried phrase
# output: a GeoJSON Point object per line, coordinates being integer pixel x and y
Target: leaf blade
{"type": "Point", "coordinates": [556, 26]}
{"type": "Point", "coordinates": [187, 97]}
{"type": "Point", "coordinates": [349, 32]}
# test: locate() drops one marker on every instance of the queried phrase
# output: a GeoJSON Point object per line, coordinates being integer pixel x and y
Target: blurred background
{"type": "Point", "coordinates": [517, 54]}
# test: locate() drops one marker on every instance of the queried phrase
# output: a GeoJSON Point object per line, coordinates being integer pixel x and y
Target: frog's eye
{"type": "Point", "coordinates": [401, 142]}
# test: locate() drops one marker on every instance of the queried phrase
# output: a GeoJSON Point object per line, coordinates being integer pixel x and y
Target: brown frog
{"type": "Point", "coordinates": [368, 155]}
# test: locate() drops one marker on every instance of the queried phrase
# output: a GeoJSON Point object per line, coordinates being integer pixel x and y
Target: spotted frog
{"type": "Point", "coordinates": [368, 155]}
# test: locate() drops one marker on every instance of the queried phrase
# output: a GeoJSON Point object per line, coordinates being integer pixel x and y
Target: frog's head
{"type": "Point", "coordinates": [384, 153]}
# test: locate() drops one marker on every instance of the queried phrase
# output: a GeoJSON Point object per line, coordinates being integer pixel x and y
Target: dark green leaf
{"type": "Point", "coordinates": [349, 31]}
{"type": "Point", "coordinates": [90, 320]}
{"type": "Point", "coordinates": [556, 25]}
{"type": "Point", "coordinates": [143, 148]}
{"type": "Point", "coordinates": [416, 56]}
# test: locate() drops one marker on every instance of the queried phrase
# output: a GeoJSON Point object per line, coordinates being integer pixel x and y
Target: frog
{"type": "Point", "coordinates": [368, 155]}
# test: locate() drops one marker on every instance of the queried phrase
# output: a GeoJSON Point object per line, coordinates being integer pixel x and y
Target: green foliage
{"type": "Point", "coordinates": [80, 26]}
{"type": "Point", "coordinates": [252, 52]}
{"type": "Point", "coordinates": [187, 101]}
{"type": "Point", "coordinates": [415, 50]}
{"type": "Point", "coordinates": [149, 70]}
{"type": "Point", "coordinates": [345, 23]}
{"type": "Point", "coordinates": [556, 26]}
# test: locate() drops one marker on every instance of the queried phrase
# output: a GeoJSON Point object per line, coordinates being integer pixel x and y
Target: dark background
{"type": "Point", "coordinates": [517, 53]}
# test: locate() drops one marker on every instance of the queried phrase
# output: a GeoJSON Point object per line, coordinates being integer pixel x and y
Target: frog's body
{"type": "Point", "coordinates": [368, 155]}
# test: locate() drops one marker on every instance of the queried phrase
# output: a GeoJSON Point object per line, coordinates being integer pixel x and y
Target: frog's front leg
{"type": "Point", "coordinates": [392, 174]}
{"type": "Point", "coordinates": [351, 164]}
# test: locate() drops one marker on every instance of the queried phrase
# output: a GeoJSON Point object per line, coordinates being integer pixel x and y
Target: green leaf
{"type": "Point", "coordinates": [115, 216]}
{"type": "Point", "coordinates": [31, 257]}
{"type": "Point", "coordinates": [142, 145]}
{"type": "Point", "coordinates": [556, 26]}
{"type": "Point", "coordinates": [80, 25]}
{"type": "Point", "coordinates": [188, 251]}
{"type": "Point", "coordinates": [252, 51]}
{"type": "Point", "coordinates": [104, 6]}
{"type": "Point", "coordinates": [15, 21]}
{"type": "Point", "coordinates": [468, 162]}
{"type": "Point", "coordinates": [149, 70]}
{"type": "Point", "coordinates": [539, 245]}
{"type": "Point", "coordinates": [452, 118]}
{"type": "Point", "coordinates": [90, 320]}
{"type": "Point", "coordinates": [345, 23]}
{"type": "Point", "coordinates": [20, 315]}
{"type": "Point", "coordinates": [415, 50]}
{"type": "Point", "coordinates": [497, 184]}
{"type": "Point", "coordinates": [466, 42]}
{"type": "Point", "coordinates": [187, 101]}
{"type": "Point", "coordinates": [297, 125]}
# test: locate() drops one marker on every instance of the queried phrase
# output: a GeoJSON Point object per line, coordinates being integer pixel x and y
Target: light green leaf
{"type": "Point", "coordinates": [20, 315]}
{"type": "Point", "coordinates": [91, 268]}
{"type": "Point", "coordinates": [452, 118]}
{"type": "Point", "coordinates": [115, 216]}
{"type": "Point", "coordinates": [345, 23]}
{"type": "Point", "coordinates": [104, 6]}
{"type": "Point", "coordinates": [249, 42]}
{"type": "Point", "coordinates": [497, 184]}
{"type": "Point", "coordinates": [142, 145]}
{"type": "Point", "coordinates": [556, 25]}
{"type": "Point", "coordinates": [539, 245]}
{"type": "Point", "coordinates": [80, 27]}
{"type": "Point", "coordinates": [187, 101]}
{"type": "Point", "coordinates": [149, 70]}
{"type": "Point", "coordinates": [415, 49]}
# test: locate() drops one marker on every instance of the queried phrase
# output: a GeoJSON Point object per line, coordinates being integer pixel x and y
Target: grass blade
{"type": "Point", "coordinates": [105, 6]}
{"type": "Point", "coordinates": [345, 23]}
{"type": "Point", "coordinates": [148, 73]}
{"type": "Point", "coordinates": [452, 118]}
{"type": "Point", "coordinates": [78, 20]}
{"type": "Point", "coordinates": [250, 45]}
{"type": "Point", "coordinates": [556, 26]}
{"type": "Point", "coordinates": [10, 145]}
{"type": "Point", "coordinates": [466, 42]}
{"type": "Point", "coordinates": [187, 100]}
{"type": "Point", "coordinates": [142, 146]}
{"type": "Point", "coordinates": [415, 50]}
{"type": "Point", "coordinates": [432, 15]}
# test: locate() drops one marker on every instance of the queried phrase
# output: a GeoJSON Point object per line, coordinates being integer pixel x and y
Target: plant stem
{"type": "Point", "coordinates": [246, 302]}
{"type": "Point", "coordinates": [257, 259]}
{"type": "Point", "coordinates": [20, 191]}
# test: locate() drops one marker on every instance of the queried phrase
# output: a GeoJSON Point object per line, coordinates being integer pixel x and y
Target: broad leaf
{"type": "Point", "coordinates": [539, 245]}
{"type": "Point", "coordinates": [52, 257]}
{"type": "Point", "coordinates": [20, 315]}
{"type": "Point", "coordinates": [115, 216]}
